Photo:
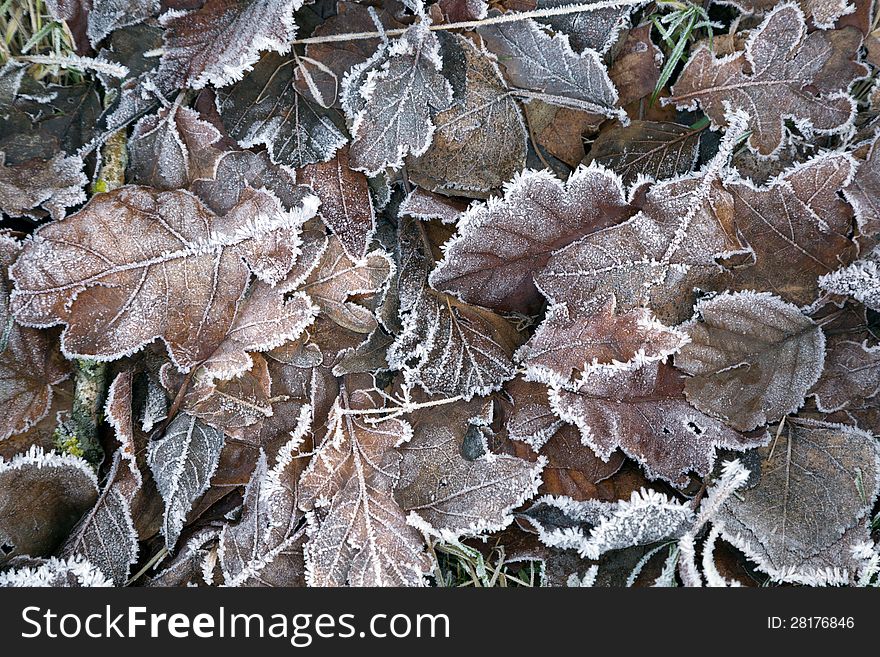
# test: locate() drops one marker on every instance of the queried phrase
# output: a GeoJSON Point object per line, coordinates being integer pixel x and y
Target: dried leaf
{"type": "Point", "coordinates": [751, 359]}
{"type": "Point", "coordinates": [546, 68]}
{"type": "Point", "coordinates": [822, 13]}
{"type": "Point", "coordinates": [818, 481]}
{"type": "Point", "coordinates": [864, 191]}
{"type": "Point", "coordinates": [501, 245]}
{"type": "Point", "coordinates": [55, 573]}
{"type": "Point", "coordinates": [644, 413]}
{"type": "Point", "coordinates": [183, 462]}
{"type": "Point", "coordinates": [597, 30]}
{"type": "Point", "coordinates": [53, 185]}
{"type": "Point", "coordinates": [106, 16]}
{"type": "Point", "coordinates": [391, 112]}
{"type": "Point", "coordinates": [782, 73]}
{"type": "Point", "coordinates": [851, 375]}
{"type": "Point", "coordinates": [135, 265]}
{"type": "Point", "coordinates": [860, 280]}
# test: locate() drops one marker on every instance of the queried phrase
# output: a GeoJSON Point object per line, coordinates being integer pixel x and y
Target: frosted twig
{"type": "Point", "coordinates": [404, 406]}
{"type": "Point", "coordinates": [74, 61]}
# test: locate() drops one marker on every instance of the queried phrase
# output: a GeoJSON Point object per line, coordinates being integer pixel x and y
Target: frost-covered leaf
{"type": "Point", "coordinates": [446, 346]}
{"type": "Point", "coordinates": [137, 264]}
{"type": "Point", "coordinates": [172, 148]}
{"type": "Point", "coordinates": [456, 488]}
{"type": "Point", "coordinates": [546, 68]}
{"type": "Point", "coordinates": [67, 573]}
{"type": "Point", "coordinates": [796, 226]}
{"type": "Point", "coordinates": [222, 39]}
{"type": "Point", "coordinates": [106, 16]}
{"type": "Point", "coordinates": [53, 185]}
{"type": "Point", "coordinates": [502, 244]}
{"type": "Point", "coordinates": [597, 30]}
{"type": "Point", "coordinates": [183, 462]}
{"type": "Point", "coordinates": [864, 191]}
{"type": "Point", "coordinates": [194, 564]}
{"type": "Point", "coordinates": [783, 73]}
{"type": "Point", "coordinates": [644, 413]}
{"type": "Point", "coordinates": [480, 142]}
{"type": "Point", "coordinates": [567, 345]}
{"type": "Point", "coordinates": [530, 418]}
{"type": "Point", "coordinates": [29, 361]}
{"type": "Point", "coordinates": [358, 535]}
{"type": "Point", "coordinates": [818, 481]}
{"type": "Point", "coordinates": [391, 114]}
{"type": "Point", "coordinates": [859, 280]}
{"type": "Point", "coordinates": [851, 375]}
{"type": "Point", "coordinates": [751, 359]}
{"type": "Point", "coordinates": [594, 528]}
{"type": "Point", "coordinates": [265, 107]}
{"type": "Point", "coordinates": [346, 204]}
{"type": "Point", "coordinates": [822, 13]}
{"type": "Point", "coordinates": [42, 495]}
{"type": "Point", "coordinates": [655, 149]}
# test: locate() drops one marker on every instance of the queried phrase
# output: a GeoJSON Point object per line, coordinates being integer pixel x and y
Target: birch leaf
{"type": "Point", "coordinates": [818, 481]}
{"type": "Point", "coordinates": [358, 535]}
{"type": "Point", "coordinates": [501, 245]}
{"type": "Point", "coordinates": [402, 92]}
{"type": "Point", "coordinates": [546, 68]}
{"type": "Point", "coordinates": [751, 359]}
{"type": "Point", "coordinates": [135, 265]}
{"type": "Point", "coordinates": [183, 462]}
{"type": "Point", "coordinates": [781, 74]}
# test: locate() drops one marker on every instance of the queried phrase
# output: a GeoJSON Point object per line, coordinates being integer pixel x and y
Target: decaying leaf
{"type": "Point", "coordinates": [822, 13]}
{"type": "Point", "coordinates": [783, 73]}
{"type": "Point", "coordinates": [133, 265]}
{"type": "Point", "coordinates": [818, 481]}
{"type": "Point", "coordinates": [864, 191]}
{"type": "Point", "coordinates": [391, 113]}
{"type": "Point", "coordinates": [596, 30]}
{"type": "Point", "coordinates": [851, 375]}
{"type": "Point", "coordinates": [54, 185]}
{"type": "Point", "coordinates": [358, 535]}
{"type": "Point", "coordinates": [183, 461]}
{"type": "Point", "coordinates": [751, 358]}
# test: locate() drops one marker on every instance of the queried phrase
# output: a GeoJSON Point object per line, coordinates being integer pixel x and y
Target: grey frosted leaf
{"type": "Point", "coordinates": [454, 495]}
{"type": "Point", "coordinates": [172, 148]}
{"type": "Point", "coordinates": [644, 413]}
{"type": "Point", "coordinates": [546, 68]}
{"type": "Point", "coordinates": [194, 564]}
{"type": "Point", "coordinates": [106, 16]}
{"type": "Point", "coordinates": [655, 149]}
{"type": "Point", "coordinates": [480, 142]}
{"type": "Point", "coordinates": [597, 30]}
{"type": "Point", "coordinates": [427, 206]}
{"type": "Point", "coordinates": [818, 482]}
{"type": "Point", "coordinates": [264, 107]}
{"type": "Point", "coordinates": [859, 280]}
{"type": "Point", "coordinates": [358, 535]}
{"type": "Point", "coordinates": [219, 42]}
{"type": "Point", "coordinates": [182, 462]}
{"type": "Point", "coordinates": [368, 356]}
{"type": "Point", "coordinates": [822, 13]}
{"type": "Point", "coordinates": [65, 487]}
{"type": "Point", "coordinates": [106, 537]}
{"type": "Point", "coordinates": [864, 191]}
{"type": "Point", "coordinates": [73, 572]}
{"type": "Point", "coordinates": [851, 375]}
{"type": "Point", "coordinates": [500, 246]}
{"type": "Point", "coordinates": [751, 359]}
{"type": "Point", "coordinates": [52, 185]}
{"type": "Point", "coordinates": [401, 91]}
{"type": "Point", "coordinates": [594, 528]}
{"type": "Point", "coordinates": [782, 73]}
{"type": "Point", "coordinates": [30, 364]}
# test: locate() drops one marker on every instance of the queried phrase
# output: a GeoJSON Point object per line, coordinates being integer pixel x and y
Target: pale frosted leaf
{"type": "Point", "coordinates": [654, 149]}
{"type": "Point", "coordinates": [480, 142]}
{"type": "Point", "coordinates": [593, 528]}
{"type": "Point", "coordinates": [783, 73]}
{"type": "Point", "coordinates": [502, 244]}
{"type": "Point", "coordinates": [822, 13]}
{"type": "Point", "coordinates": [852, 374]}
{"type": "Point", "coordinates": [645, 413]}
{"type": "Point", "coordinates": [105, 16]}
{"type": "Point", "coordinates": [859, 280]}
{"type": "Point", "coordinates": [172, 148]}
{"type": "Point", "coordinates": [66, 488]}
{"type": "Point", "coordinates": [52, 185]}
{"type": "Point", "coordinates": [402, 90]}
{"type": "Point", "coordinates": [545, 67]}
{"type": "Point", "coordinates": [72, 572]}
{"type": "Point", "coordinates": [136, 264]}
{"type": "Point", "coordinates": [346, 204]}
{"type": "Point", "coordinates": [222, 39]}
{"type": "Point", "coordinates": [427, 206]}
{"type": "Point", "coordinates": [187, 567]}
{"type": "Point", "coordinates": [358, 535]}
{"type": "Point", "coordinates": [265, 107]}
{"type": "Point", "coordinates": [451, 492]}
{"type": "Point", "coordinates": [597, 30]}
{"type": "Point", "coordinates": [29, 361]}
{"type": "Point", "coordinates": [566, 346]}
{"type": "Point", "coordinates": [864, 191]}
{"type": "Point", "coordinates": [183, 462]}
{"type": "Point", "coordinates": [751, 359]}
{"type": "Point", "coordinates": [530, 418]}
{"type": "Point", "coordinates": [818, 482]}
